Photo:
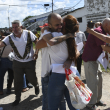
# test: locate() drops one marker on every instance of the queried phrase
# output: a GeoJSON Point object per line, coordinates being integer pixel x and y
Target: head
{"type": "Point", "coordinates": [16, 27]}
{"type": "Point", "coordinates": [70, 24]}
{"type": "Point", "coordinates": [2, 32]}
{"type": "Point", "coordinates": [97, 24]}
{"type": "Point", "coordinates": [10, 29]}
{"type": "Point", "coordinates": [55, 22]}
{"type": "Point", "coordinates": [106, 25]}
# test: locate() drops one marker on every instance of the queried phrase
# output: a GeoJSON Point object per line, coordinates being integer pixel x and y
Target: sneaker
{"type": "Point", "coordinates": [15, 103]}
{"type": "Point", "coordinates": [8, 91]}
{"type": "Point", "coordinates": [37, 90]}
{"type": "Point", "coordinates": [29, 85]}
{"type": "Point", "coordinates": [91, 108]}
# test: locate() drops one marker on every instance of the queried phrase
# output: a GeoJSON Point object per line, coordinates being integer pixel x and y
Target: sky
{"type": "Point", "coordinates": [19, 9]}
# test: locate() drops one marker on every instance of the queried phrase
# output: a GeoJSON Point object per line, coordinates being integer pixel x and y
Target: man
{"type": "Point", "coordinates": [24, 58]}
{"type": "Point", "coordinates": [80, 37]}
{"type": "Point", "coordinates": [93, 71]}
{"type": "Point", "coordinates": [55, 25]}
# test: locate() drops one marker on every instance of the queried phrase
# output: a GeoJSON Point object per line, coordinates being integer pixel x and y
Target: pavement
{"type": "Point", "coordinates": [29, 101]}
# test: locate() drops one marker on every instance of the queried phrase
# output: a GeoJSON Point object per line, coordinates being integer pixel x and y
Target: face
{"type": "Point", "coordinates": [56, 24]}
{"type": "Point", "coordinates": [16, 29]}
{"type": "Point", "coordinates": [108, 28]}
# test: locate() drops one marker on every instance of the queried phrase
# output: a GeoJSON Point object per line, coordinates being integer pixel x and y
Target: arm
{"type": "Point", "coordinates": [41, 44]}
{"type": "Point", "coordinates": [106, 48]}
{"type": "Point", "coordinates": [1, 44]}
{"type": "Point", "coordinates": [56, 40]}
{"type": "Point", "coordinates": [99, 35]}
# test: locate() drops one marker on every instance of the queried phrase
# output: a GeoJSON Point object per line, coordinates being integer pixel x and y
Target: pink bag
{"type": "Point", "coordinates": [80, 94]}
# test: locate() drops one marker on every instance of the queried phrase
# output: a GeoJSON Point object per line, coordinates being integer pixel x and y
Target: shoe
{"type": "Point", "coordinates": [37, 90]}
{"type": "Point", "coordinates": [1, 92]}
{"type": "Point", "coordinates": [91, 108]}
{"type": "Point", "coordinates": [15, 103]}
{"type": "Point", "coordinates": [29, 85]}
{"type": "Point", "coordinates": [8, 91]}
{"type": "Point", "coordinates": [100, 103]}
{"type": "Point", "coordinates": [25, 89]}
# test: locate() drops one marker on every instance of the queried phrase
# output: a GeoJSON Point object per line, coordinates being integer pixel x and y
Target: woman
{"type": "Point", "coordinates": [59, 54]}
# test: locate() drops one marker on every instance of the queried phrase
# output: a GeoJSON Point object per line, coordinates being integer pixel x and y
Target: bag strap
{"type": "Point", "coordinates": [2, 51]}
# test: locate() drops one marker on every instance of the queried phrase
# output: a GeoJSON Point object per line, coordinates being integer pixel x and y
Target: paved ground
{"type": "Point", "coordinates": [30, 102]}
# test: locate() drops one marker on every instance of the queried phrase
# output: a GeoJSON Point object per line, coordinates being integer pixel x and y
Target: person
{"type": "Point", "coordinates": [80, 37]}
{"type": "Point", "coordinates": [24, 57]}
{"type": "Point", "coordinates": [93, 71]}
{"type": "Point", "coordinates": [58, 54]}
{"type": "Point", "coordinates": [91, 26]}
{"type": "Point", "coordinates": [102, 37]}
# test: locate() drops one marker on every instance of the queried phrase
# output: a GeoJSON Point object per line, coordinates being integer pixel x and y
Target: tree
{"type": "Point", "coordinates": [27, 18]}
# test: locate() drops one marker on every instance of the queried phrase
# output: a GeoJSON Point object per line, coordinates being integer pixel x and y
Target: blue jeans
{"type": "Point", "coordinates": [24, 81]}
{"type": "Point", "coordinates": [56, 90]}
{"type": "Point", "coordinates": [5, 65]}
{"type": "Point", "coordinates": [45, 81]}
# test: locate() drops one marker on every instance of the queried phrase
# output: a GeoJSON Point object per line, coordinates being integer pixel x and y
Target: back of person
{"type": "Point", "coordinates": [92, 47]}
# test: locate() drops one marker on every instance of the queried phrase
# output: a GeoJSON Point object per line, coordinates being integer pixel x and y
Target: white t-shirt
{"type": "Point", "coordinates": [45, 62]}
{"type": "Point", "coordinates": [58, 53]}
{"type": "Point", "coordinates": [20, 44]}
{"type": "Point", "coordinates": [80, 37]}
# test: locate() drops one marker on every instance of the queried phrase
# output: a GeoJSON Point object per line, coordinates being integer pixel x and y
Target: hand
{"type": "Point", "coordinates": [89, 30]}
{"type": "Point", "coordinates": [35, 56]}
{"type": "Point", "coordinates": [72, 35]}
{"type": "Point", "coordinates": [67, 64]}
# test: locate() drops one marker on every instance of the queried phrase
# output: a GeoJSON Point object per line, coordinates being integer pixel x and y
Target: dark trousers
{"type": "Point", "coordinates": [19, 69]}
{"type": "Point", "coordinates": [79, 63]}
{"type": "Point", "coordinates": [10, 78]}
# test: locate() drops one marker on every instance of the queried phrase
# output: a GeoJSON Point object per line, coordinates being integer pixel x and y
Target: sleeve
{"type": "Point", "coordinates": [97, 40]}
{"type": "Point", "coordinates": [6, 40]}
{"type": "Point", "coordinates": [33, 37]}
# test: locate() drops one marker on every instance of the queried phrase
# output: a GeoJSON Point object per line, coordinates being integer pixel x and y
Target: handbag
{"type": "Point", "coordinates": [80, 94]}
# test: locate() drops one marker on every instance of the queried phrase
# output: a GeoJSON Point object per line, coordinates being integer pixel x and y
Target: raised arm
{"type": "Point", "coordinates": [56, 40]}
{"type": "Point", "coordinates": [41, 44]}
{"type": "Point", "coordinates": [99, 35]}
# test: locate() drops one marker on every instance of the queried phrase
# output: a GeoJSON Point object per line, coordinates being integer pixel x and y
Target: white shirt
{"type": "Point", "coordinates": [58, 54]}
{"type": "Point", "coordinates": [45, 62]}
{"type": "Point", "coordinates": [20, 44]}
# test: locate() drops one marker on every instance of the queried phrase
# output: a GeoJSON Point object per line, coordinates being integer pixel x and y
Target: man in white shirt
{"type": "Point", "coordinates": [24, 57]}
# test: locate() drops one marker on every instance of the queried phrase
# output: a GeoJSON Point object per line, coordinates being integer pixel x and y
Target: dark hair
{"type": "Point", "coordinates": [71, 26]}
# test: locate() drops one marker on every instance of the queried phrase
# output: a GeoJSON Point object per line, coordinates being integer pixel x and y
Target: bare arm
{"type": "Point", "coordinates": [41, 44]}
{"type": "Point", "coordinates": [99, 35]}
{"type": "Point", "coordinates": [1, 44]}
{"type": "Point", "coordinates": [84, 43]}
{"type": "Point", "coordinates": [56, 40]}
{"type": "Point", "coordinates": [106, 48]}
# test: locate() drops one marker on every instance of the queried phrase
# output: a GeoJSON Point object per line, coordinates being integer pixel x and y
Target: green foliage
{"type": "Point", "coordinates": [27, 18]}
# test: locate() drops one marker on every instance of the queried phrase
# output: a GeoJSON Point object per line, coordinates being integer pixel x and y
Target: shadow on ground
{"type": "Point", "coordinates": [27, 104]}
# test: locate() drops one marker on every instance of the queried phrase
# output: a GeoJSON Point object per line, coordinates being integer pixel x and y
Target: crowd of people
{"type": "Point", "coordinates": [58, 43]}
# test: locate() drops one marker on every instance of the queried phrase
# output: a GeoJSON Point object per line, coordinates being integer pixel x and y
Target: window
{"type": "Point", "coordinates": [79, 20]}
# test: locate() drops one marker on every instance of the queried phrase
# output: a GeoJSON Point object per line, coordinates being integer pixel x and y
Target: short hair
{"type": "Point", "coordinates": [106, 20]}
{"type": "Point", "coordinates": [50, 16]}
{"type": "Point", "coordinates": [17, 22]}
